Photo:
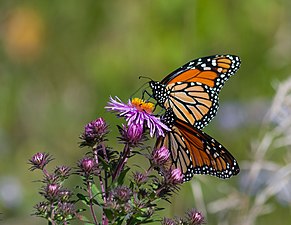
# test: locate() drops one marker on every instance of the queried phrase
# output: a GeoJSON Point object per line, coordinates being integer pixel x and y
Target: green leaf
{"type": "Point", "coordinates": [83, 198]}
{"type": "Point", "coordinates": [95, 190]}
{"type": "Point", "coordinates": [97, 195]}
{"type": "Point", "coordinates": [80, 210]}
{"type": "Point", "coordinates": [108, 213]}
{"type": "Point", "coordinates": [85, 220]}
{"type": "Point", "coordinates": [122, 175]}
{"type": "Point", "coordinates": [81, 188]}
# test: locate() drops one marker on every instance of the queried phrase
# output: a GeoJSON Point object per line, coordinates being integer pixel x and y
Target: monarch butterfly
{"type": "Point", "coordinates": [193, 151]}
{"type": "Point", "coordinates": [192, 90]}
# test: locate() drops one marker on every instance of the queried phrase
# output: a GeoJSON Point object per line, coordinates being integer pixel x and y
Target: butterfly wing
{"type": "Point", "coordinates": [192, 90]}
{"type": "Point", "coordinates": [195, 152]}
{"type": "Point", "coordinates": [192, 102]}
{"type": "Point", "coordinates": [212, 71]}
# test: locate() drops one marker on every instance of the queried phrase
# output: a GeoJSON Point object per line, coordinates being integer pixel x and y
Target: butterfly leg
{"type": "Point", "coordinates": [146, 92]}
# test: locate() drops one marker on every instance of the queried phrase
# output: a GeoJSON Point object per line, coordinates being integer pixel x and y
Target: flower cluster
{"type": "Point", "coordinates": [57, 203]}
{"type": "Point", "coordinates": [106, 185]}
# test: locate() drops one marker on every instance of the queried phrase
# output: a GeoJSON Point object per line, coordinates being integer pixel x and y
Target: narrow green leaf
{"type": "Point", "coordinates": [121, 177]}
{"type": "Point", "coordinates": [97, 195]}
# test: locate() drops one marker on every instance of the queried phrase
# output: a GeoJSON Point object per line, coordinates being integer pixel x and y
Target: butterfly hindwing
{"type": "Point", "coordinates": [192, 102]}
{"type": "Point", "coordinates": [195, 152]}
{"type": "Point", "coordinates": [208, 155]}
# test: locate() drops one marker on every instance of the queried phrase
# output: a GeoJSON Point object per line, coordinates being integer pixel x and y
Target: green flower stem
{"type": "Point", "coordinates": [103, 188]}
{"type": "Point", "coordinates": [89, 185]}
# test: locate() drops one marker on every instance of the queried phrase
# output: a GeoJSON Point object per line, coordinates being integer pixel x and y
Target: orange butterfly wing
{"type": "Point", "coordinates": [212, 71]}
{"type": "Point", "coordinates": [193, 103]}
{"type": "Point", "coordinates": [192, 90]}
{"type": "Point", "coordinates": [195, 152]}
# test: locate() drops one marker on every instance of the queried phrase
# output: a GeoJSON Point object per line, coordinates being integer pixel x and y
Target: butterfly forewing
{"type": "Point", "coordinates": [212, 71]}
{"type": "Point", "coordinates": [192, 90]}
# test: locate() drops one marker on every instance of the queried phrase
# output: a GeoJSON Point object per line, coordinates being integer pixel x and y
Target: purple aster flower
{"type": "Point", "coordinates": [195, 217]}
{"type": "Point", "coordinates": [160, 156]}
{"type": "Point", "coordinates": [39, 160]}
{"type": "Point", "coordinates": [136, 111]}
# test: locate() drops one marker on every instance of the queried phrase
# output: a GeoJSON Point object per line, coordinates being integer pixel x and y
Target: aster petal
{"type": "Point", "coordinates": [117, 105]}
{"type": "Point", "coordinates": [136, 115]}
{"type": "Point", "coordinates": [151, 127]}
{"type": "Point", "coordinates": [159, 126]}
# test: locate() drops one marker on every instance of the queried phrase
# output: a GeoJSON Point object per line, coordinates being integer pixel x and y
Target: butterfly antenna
{"type": "Point", "coordinates": [145, 78]}
{"type": "Point", "coordinates": [139, 89]}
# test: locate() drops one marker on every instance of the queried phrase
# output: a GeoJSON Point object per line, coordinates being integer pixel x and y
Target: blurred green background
{"type": "Point", "coordinates": [61, 60]}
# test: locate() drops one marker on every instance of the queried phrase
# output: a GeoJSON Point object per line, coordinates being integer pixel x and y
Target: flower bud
{"type": "Point", "coordinates": [66, 208]}
{"type": "Point", "coordinates": [63, 171]}
{"type": "Point", "coordinates": [51, 191]}
{"type": "Point", "coordinates": [160, 156]}
{"type": "Point", "coordinates": [41, 208]}
{"type": "Point", "coordinates": [132, 134]}
{"type": "Point", "coordinates": [95, 132]}
{"type": "Point", "coordinates": [87, 165]}
{"type": "Point", "coordinates": [39, 160]}
{"type": "Point", "coordinates": [65, 194]}
{"type": "Point", "coordinates": [121, 193]}
{"type": "Point", "coordinates": [168, 221]}
{"type": "Point", "coordinates": [195, 217]}
{"type": "Point", "coordinates": [174, 176]}
{"type": "Point", "coordinates": [140, 178]}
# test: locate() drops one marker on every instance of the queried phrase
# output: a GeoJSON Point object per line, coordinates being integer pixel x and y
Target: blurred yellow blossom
{"type": "Point", "coordinates": [23, 36]}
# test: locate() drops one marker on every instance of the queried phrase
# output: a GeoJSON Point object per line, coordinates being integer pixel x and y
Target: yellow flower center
{"type": "Point", "coordinates": [141, 105]}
